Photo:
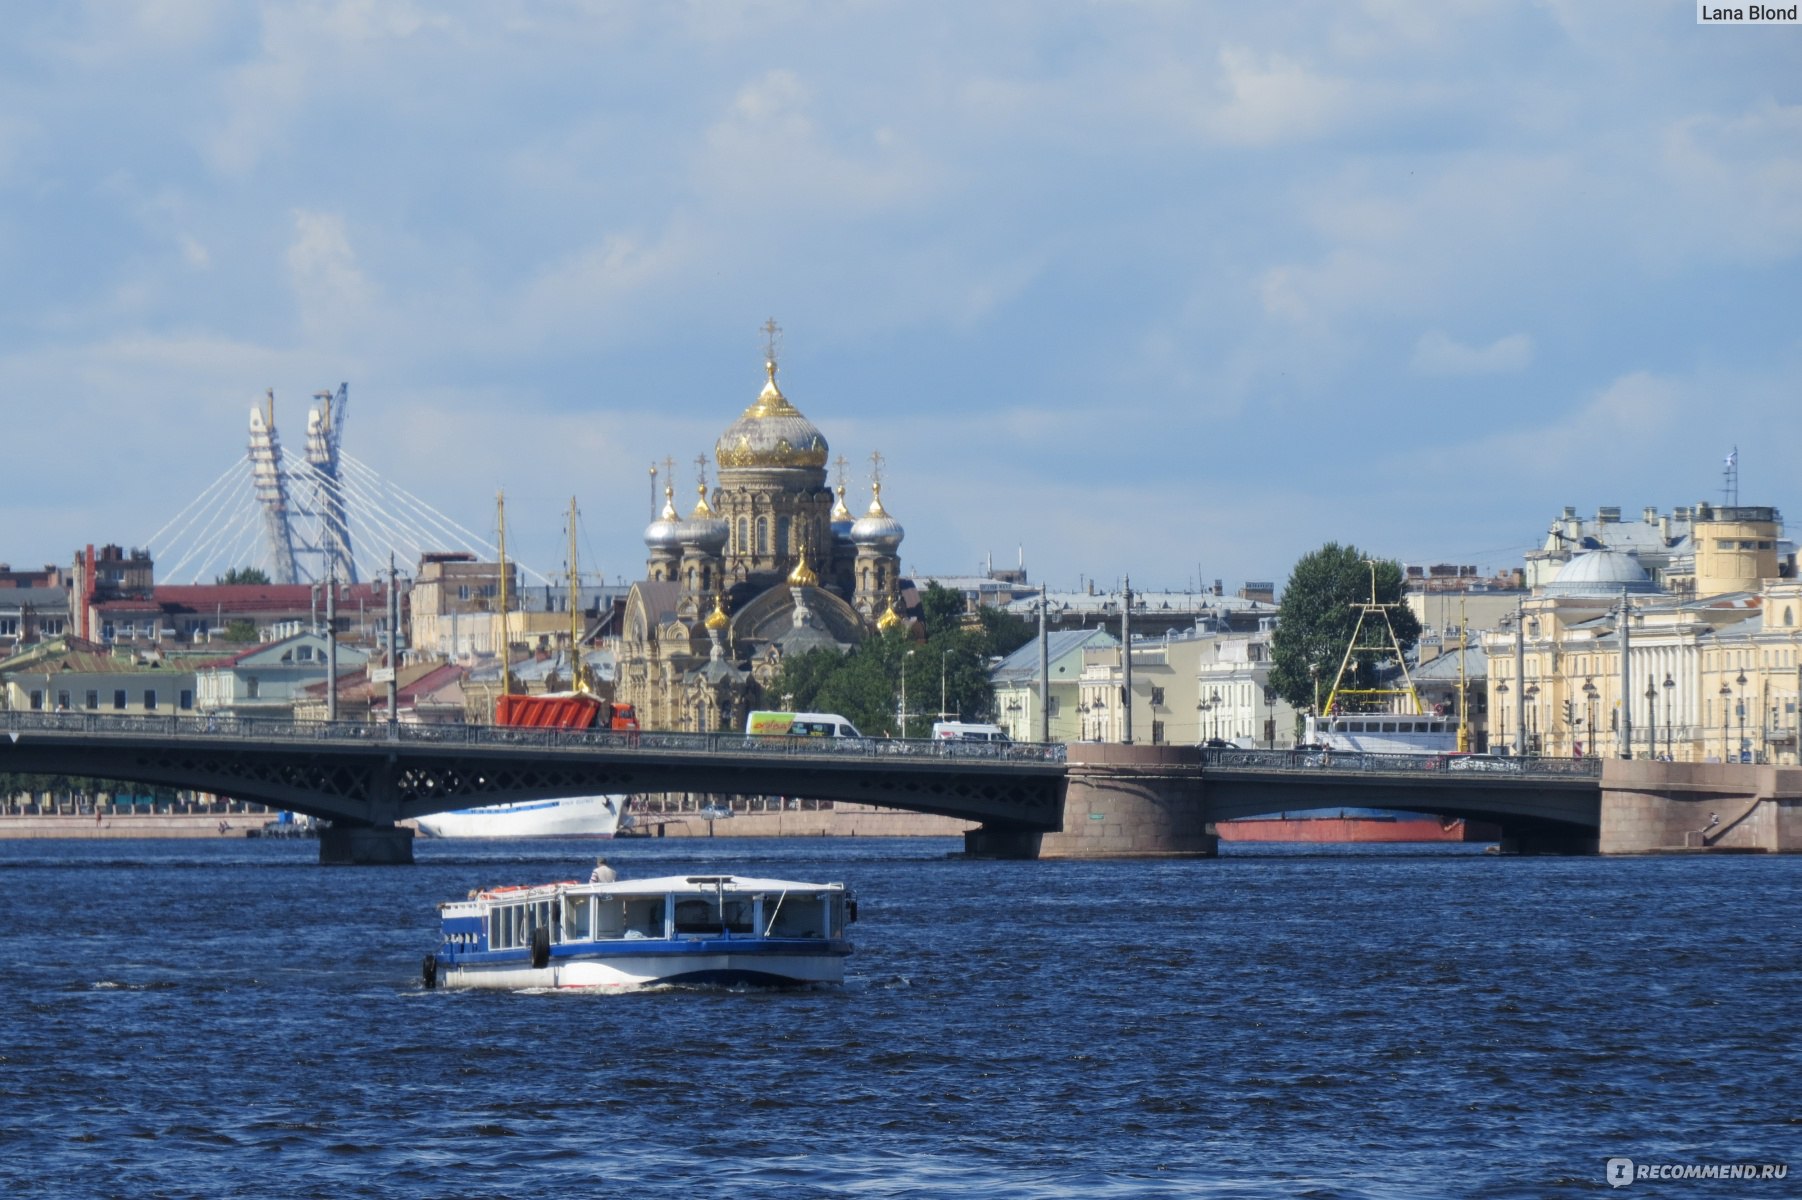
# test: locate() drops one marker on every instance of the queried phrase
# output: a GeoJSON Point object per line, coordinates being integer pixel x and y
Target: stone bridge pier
{"type": "Point", "coordinates": [1119, 802]}
{"type": "Point", "coordinates": [1648, 807]}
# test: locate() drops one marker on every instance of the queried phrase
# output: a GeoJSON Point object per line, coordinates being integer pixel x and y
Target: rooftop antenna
{"type": "Point", "coordinates": [1730, 480]}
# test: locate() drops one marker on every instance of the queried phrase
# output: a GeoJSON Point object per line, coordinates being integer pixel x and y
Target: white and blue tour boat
{"type": "Point", "coordinates": [682, 929]}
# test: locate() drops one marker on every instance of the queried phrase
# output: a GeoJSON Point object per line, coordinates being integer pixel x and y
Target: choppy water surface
{"type": "Point", "coordinates": [231, 1019]}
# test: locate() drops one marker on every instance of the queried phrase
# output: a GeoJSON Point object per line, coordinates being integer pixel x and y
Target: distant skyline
{"type": "Point", "coordinates": [1180, 291]}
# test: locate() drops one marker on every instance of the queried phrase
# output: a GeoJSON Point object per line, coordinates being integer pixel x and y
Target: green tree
{"type": "Point", "coordinates": [1318, 615]}
{"type": "Point", "coordinates": [240, 631]}
{"type": "Point", "coordinates": [941, 610]}
{"type": "Point", "coordinates": [861, 685]}
{"type": "Point", "coordinates": [865, 684]}
{"type": "Point", "coordinates": [244, 575]}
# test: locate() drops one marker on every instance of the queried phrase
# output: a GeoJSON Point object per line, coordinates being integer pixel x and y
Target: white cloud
{"type": "Point", "coordinates": [329, 287]}
{"type": "Point", "coordinates": [1271, 98]}
{"type": "Point", "coordinates": [1437, 354]}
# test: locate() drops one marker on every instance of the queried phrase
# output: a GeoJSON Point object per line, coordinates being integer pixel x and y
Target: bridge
{"type": "Point", "coordinates": [1029, 800]}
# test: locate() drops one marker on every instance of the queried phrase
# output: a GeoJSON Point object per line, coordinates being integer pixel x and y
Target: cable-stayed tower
{"type": "Point", "coordinates": [271, 489]}
{"type": "Point", "coordinates": [325, 437]}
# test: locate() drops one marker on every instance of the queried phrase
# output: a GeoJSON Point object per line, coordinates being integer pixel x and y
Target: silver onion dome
{"type": "Point", "coordinates": [876, 528]}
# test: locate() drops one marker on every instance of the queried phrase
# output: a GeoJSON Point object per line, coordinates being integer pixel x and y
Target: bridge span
{"type": "Point", "coordinates": [1086, 800]}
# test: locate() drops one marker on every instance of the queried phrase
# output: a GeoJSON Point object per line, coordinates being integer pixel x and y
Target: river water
{"type": "Point", "coordinates": [231, 1019]}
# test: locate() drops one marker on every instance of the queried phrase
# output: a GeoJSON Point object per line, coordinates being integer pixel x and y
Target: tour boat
{"type": "Point", "coordinates": [570, 816]}
{"type": "Point", "coordinates": [678, 929]}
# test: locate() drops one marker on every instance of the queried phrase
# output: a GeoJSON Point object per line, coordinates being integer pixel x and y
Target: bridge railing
{"type": "Point", "coordinates": [268, 729]}
{"type": "Point", "coordinates": [1465, 766]}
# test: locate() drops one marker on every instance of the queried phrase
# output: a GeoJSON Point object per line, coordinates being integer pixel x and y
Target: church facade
{"type": "Point", "coordinates": [768, 564]}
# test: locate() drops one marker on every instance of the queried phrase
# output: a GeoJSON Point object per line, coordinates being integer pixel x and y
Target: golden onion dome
{"type": "Point", "coordinates": [665, 532]}
{"type": "Point", "coordinates": [876, 528]}
{"type": "Point", "coordinates": [803, 575]}
{"type": "Point", "coordinates": [717, 619]}
{"type": "Point", "coordinates": [771, 433]}
{"type": "Point", "coordinates": [889, 618]}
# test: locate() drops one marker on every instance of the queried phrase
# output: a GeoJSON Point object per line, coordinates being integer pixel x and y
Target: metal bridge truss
{"type": "Point", "coordinates": [377, 774]}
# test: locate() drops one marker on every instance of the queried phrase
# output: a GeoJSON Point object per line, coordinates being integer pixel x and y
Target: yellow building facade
{"type": "Point", "coordinates": [1716, 677]}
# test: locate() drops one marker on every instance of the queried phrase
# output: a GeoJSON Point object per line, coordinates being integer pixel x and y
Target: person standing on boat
{"type": "Point", "coordinates": [602, 873]}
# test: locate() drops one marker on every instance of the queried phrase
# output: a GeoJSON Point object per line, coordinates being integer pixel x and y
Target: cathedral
{"type": "Point", "coordinates": [770, 563]}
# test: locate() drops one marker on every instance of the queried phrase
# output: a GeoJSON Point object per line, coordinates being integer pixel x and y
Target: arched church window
{"type": "Point", "coordinates": [1787, 618]}
{"type": "Point", "coordinates": [744, 536]}
{"type": "Point", "coordinates": [763, 535]}
{"type": "Point", "coordinates": [781, 537]}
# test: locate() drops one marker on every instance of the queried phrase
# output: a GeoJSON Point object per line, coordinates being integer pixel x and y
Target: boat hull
{"type": "Point", "coordinates": [568, 817]}
{"type": "Point", "coordinates": [648, 964]}
{"type": "Point", "coordinates": [1361, 826]}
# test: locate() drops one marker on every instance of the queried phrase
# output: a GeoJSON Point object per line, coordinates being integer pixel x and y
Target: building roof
{"type": "Point", "coordinates": [74, 655]}
{"type": "Point", "coordinates": [257, 598]}
{"type": "Point", "coordinates": [1444, 669]}
{"type": "Point", "coordinates": [1602, 573]}
{"type": "Point", "coordinates": [1022, 666]}
{"type": "Point", "coordinates": [41, 598]}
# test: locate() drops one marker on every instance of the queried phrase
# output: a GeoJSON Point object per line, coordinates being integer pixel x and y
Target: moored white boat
{"type": "Point", "coordinates": [569, 816]}
{"type": "Point", "coordinates": [689, 929]}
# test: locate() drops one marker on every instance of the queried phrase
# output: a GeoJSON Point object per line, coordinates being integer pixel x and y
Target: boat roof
{"type": "Point", "coordinates": [659, 886]}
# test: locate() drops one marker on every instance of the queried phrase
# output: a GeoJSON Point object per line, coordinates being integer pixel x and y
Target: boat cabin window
{"type": "Point", "coordinates": [628, 917]}
{"type": "Point", "coordinates": [578, 918]}
{"type": "Point", "coordinates": [710, 914]}
{"type": "Point", "coordinates": [795, 915]}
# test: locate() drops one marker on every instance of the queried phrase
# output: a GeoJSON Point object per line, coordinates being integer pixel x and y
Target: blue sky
{"type": "Point", "coordinates": [1165, 289]}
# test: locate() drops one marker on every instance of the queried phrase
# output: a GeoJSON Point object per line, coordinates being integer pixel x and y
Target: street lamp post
{"type": "Point", "coordinates": [1726, 694]}
{"type": "Point", "coordinates": [1589, 708]}
{"type": "Point", "coordinates": [1669, 717]}
{"type": "Point", "coordinates": [1501, 689]}
{"type": "Point", "coordinates": [901, 713]}
{"type": "Point", "coordinates": [1740, 708]}
{"type": "Point", "coordinates": [1652, 714]}
{"type": "Point", "coordinates": [944, 658]}
{"type": "Point", "coordinates": [1531, 698]}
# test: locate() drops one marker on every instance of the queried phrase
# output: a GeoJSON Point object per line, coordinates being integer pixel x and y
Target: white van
{"type": "Point", "coordinates": [799, 724]}
{"type": "Point", "coordinates": [965, 731]}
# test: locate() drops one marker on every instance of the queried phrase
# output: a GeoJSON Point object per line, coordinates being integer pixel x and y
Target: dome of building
{"type": "Point", "coordinates": [664, 533]}
{"type": "Point", "coordinates": [889, 618]}
{"type": "Point", "coordinates": [717, 619]}
{"type": "Point", "coordinates": [876, 528]}
{"type": "Point", "coordinates": [703, 528]}
{"type": "Point", "coordinates": [841, 519]}
{"type": "Point", "coordinates": [803, 575]}
{"type": "Point", "coordinates": [771, 433]}
{"type": "Point", "coordinates": [1602, 575]}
